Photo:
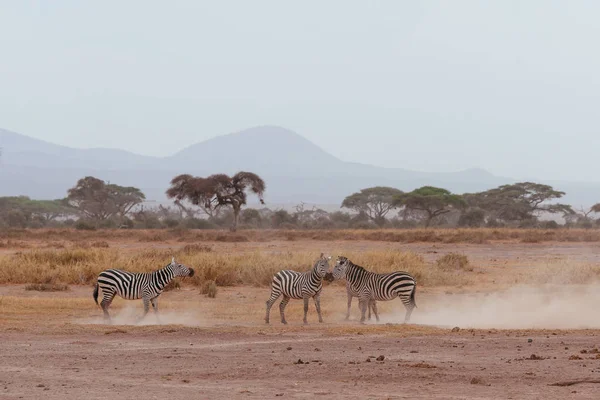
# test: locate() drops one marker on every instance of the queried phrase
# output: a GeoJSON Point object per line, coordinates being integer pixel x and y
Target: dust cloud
{"type": "Point", "coordinates": [520, 307]}
{"type": "Point", "coordinates": [130, 314]}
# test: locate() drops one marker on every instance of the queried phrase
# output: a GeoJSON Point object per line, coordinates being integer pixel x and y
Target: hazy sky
{"type": "Point", "coordinates": [510, 86]}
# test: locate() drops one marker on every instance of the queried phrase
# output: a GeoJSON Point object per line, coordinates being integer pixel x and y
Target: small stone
{"type": "Point", "coordinates": [380, 358]}
{"type": "Point", "coordinates": [289, 348]}
{"type": "Point", "coordinates": [455, 329]}
{"type": "Point", "coordinates": [529, 340]}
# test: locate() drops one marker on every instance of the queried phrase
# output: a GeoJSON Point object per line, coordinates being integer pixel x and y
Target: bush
{"type": "Point", "coordinates": [453, 261]}
{"type": "Point", "coordinates": [472, 218]}
{"type": "Point", "coordinates": [209, 288]}
{"type": "Point", "coordinates": [191, 249]}
{"type": "Point", "coordinates": [196, 223]}
{"type": "Point", "coordinates": [550, 225]}
{"type": "Point", "coordinates": [84, 225]}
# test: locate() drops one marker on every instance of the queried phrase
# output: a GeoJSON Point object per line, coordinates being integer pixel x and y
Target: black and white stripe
{"type": "Point", "coordinates": [351, 292]}
{"type": "Point", "coordinates": [298, 285]}
{"type": "Point", "coordinates": [131, 286]}
{"type": "Point", "coordinates": [370, 286]}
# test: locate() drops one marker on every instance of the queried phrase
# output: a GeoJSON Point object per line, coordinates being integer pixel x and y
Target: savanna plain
{"type": "Point", "coordinates": [501, 314]}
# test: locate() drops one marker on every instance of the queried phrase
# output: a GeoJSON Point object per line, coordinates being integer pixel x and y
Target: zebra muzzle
{"type": "Point", "coordinates": [191, 272]}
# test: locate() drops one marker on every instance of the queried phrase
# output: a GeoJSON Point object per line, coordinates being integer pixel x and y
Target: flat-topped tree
{"type": "Point", "coordinates": [217, 191]}
{"type": "Point", "coordinates": [100, 201]}
{"type": "Point", "coordinates": [519, 201]}
{"type": "Point", "coordinates": [432, 201]}
{"type": "Point", "coordinates": [375, 202]}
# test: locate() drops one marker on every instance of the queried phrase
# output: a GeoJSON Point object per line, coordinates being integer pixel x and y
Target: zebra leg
{"type": "Point", "coordinates": [349, 303]}
{"type": "Point", "coordinates": [282, 305]}
{"type": "Point", "coordinates": [154, 302]}
{"type": "Point", "coordinates": [409, 310]}
{"type": "Point", "coordinates": [369, 309]}
{"type": "Point", "coordinates": [317, 299]}
{"type": "Point", "coordinates": [374, 306]}
{"type": "Point", "coordinates": [274, 296]}
{"type": "Point", "coordinates": [305, 309]}
{"type": "Point", "coordinates": [107, 298]}
{"type": "Point", "coordinates": [363, 304]}
{"type": "Point", "coordinates": [146, 308]}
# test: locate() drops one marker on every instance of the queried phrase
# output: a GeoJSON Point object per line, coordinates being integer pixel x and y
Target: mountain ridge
{"type": "Point", "coordinates": [295, 168]}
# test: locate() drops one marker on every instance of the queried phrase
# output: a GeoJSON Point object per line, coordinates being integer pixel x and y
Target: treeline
{"type": "Point", "coordinates": [219, 201]}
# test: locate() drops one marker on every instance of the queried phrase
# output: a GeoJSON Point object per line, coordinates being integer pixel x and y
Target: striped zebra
{"type": "Point", "coordinates": [354, 293]}
{"type": "Point", "coordinates": [132, 286]}
{"type": "Point", "coordinates": [298, 285]}
{"type": "Point", "coordinates": [370, 286]}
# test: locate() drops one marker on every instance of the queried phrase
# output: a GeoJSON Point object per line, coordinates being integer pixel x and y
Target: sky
{"type": "Point", "coordinates": [509, 86]}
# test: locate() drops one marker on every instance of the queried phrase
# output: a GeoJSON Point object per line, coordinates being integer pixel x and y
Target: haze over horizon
{"type": "Point", "coordinates": [510, 87]}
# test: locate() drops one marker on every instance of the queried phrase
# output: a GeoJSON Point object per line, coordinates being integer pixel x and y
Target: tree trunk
{"type": "Point", "coordinates": [236, 215]}
{"type": "Point", "coordinates": [429, 219]}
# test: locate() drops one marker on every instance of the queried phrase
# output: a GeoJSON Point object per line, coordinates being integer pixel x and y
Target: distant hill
{"type": "Point", "coordinates": [294, 168]}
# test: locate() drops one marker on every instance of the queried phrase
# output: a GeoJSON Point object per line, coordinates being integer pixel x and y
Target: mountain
{"type": "Point", "coordinates": [23, 150]}
{"type": "Point", "coordinates": [294, 169]}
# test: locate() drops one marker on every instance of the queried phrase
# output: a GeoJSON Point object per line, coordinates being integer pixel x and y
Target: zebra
{"type": "Point", "coordinates": [299, 285]}
{"type": "Point", "coordinates": [370, 286]}
{"type": "Point", "coordinates": [132, 286]}
{"type": "Point", "coordinates": [354, 293]}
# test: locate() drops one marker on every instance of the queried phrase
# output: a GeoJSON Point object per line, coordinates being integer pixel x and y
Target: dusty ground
{"type": "Point", "coordinates": [513, 342]}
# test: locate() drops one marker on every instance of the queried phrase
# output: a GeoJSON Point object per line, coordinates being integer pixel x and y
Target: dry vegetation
{"type": "Point", "coordinates": [16, 238]}
{"type": "Point", "coordinates": [69, 257]}
{"type": "Point", "coordinates": [82, 266]}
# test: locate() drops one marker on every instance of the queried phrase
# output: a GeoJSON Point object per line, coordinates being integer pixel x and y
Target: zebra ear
{"type": "Point", "coordinates": [321, 256]}
{"type": "Point", "coordinates": [173, 260]}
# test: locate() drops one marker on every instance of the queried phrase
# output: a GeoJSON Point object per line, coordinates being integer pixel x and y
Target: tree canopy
{"type": "Point", "coordinates": [518, 202]}
{"type": "Point", "coordinates": [376, 202]}
{"type": "Point", "coordinates": [98, 200]}
{"type": "Point", "coordinates": [431, 201]}
{"type": "Point", "coordinates": [217, 191]}
{"type": "Point", "coordinates": [21, 211]}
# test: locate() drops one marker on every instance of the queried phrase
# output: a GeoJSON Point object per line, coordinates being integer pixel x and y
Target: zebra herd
{"type": "Point", "coordinates": [367, 286]}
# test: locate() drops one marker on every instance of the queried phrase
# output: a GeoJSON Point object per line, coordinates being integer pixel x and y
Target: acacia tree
{"type": "Point", "coordinates": [595, 208]}
{"type": "Point", "coordinates": [519, 202]}
{"type": "Point", "coordinates": [217, 191]}
{"type": "Point", "coordinates": [375, 202]}
{"type": "Point", "coordinates": [431, 201]}
{"type": "Point", "coordinates": [100, 201]}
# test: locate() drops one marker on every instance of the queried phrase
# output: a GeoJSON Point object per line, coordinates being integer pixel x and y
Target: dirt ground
{"type": "Point", "coordinates": [512, 341]}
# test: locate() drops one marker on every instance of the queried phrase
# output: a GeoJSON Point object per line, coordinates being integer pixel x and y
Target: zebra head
{"type": "Point", "coordinates": [180, 269]}
{"type": "Point", "coordinates": [322, 265]}
{"type": "Point", "coordinates": [339, 270]}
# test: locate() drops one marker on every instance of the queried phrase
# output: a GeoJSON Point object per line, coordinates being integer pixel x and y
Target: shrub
{"type": "Point", "coordinates": [84, 225]}
{"type": "Point", "coordinates": [453, 261]}
{"type": "Point", "coordinates": [209, 288]}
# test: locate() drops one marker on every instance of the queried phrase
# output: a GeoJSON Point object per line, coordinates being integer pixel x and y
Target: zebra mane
{"type": "Point", "coordinates": [356, 266]}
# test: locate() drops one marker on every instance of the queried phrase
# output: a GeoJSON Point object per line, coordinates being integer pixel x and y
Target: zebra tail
{"type": "Point", "coordinates": [412, 295]}
{"type": "Point", "coordinates": [96, 293]}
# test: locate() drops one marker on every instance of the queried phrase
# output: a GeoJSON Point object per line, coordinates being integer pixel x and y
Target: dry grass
{"type": "Point", "coordinates": [209, 288]}
{"type": "Point", "coordinates": [47, 287]}
{"type": "Point", "coordinates": [454, 261]}
{"type": "Point", "coordinates": [82, 266]}
{"type": "Point", "coordinates": [18, 238]}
